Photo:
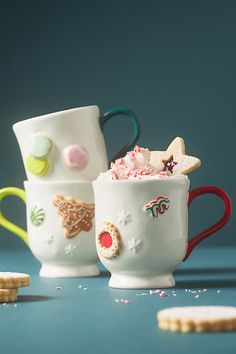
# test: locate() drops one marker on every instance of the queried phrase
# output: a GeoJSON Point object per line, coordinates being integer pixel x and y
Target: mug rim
{"type": "Point", "coordinates": [169, 179]}
{"type": "Point", "coordinates": [57, 182]}
{"type": "Point", "coordinates": [51, 115]}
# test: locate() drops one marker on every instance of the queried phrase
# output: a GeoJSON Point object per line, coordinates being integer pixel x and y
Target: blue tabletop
{"type": "Point", "coordinates": [84, 315]}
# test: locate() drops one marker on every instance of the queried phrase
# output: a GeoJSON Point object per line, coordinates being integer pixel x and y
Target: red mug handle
{"type": "Point", "coordinates": [217, 226]}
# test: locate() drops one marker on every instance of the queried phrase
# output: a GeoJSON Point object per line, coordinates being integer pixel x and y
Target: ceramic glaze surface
{"type": "Point", "coordinates": [63, 129]}
{"type": "Point", "coordinates": [60, 256]}
{"type": "Point", "coordinates": [151, 247]}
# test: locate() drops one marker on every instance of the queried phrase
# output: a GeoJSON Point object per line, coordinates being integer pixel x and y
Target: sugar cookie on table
{"type": "Point", "coordinates": [173, 160]}
{"type": "Point", "coordinates": [8, 295]}
{"type": "Point", "coordinates": [10, 280]}
{"type": "Point", "coordinates": [197, 319]}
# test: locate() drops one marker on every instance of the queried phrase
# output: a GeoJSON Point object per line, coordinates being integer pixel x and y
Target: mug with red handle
{"type": "Point", "coordinates": [142, 228]}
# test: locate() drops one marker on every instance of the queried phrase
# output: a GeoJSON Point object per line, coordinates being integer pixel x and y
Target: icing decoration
{"type": "Point", "coordinates": [36, 166]}
{"type": "Point", "coordinates": [108, 240]}
{"type": "Point", "coordinates": [37, 216]}
{"type": "Point", "coordinates": [174, 160]}
{"type": "Point", "coordinates": [124, 217]}
{"type": "Point", "coordinates": [169, 164]}
{"type": "Point", "coordinates": [70, 249]}
{"type": "Point", "coordinates": [39, 146]}
{"type": "Point", "coordinates": [76, 156]}
{"type": "Point", "coordinates": [135, 245]}
{"type": "Point", "coordinates": [76, 215]}
{"type": "Point", "coordinates": [49, 239]}
{"type": "Point", "coordinates": [157, 206]}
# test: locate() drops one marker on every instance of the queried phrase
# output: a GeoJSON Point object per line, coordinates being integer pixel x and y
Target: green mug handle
{"type": "Point", "coordinates": [4, 192]}
{"type": "Point", "coordinates": [136, 126]}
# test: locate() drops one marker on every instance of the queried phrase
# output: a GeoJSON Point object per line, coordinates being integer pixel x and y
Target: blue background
{"type": "Point", "coordinates": [172, 62]}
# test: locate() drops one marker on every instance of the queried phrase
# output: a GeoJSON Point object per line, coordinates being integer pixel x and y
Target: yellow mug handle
{"type": "Point", "coordinates": [4, 192]}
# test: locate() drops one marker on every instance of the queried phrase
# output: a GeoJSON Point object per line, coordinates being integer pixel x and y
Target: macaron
{"type": "Point", "coordinates": [39, 146]}
{"type": "Point", "coordinates": [76, 156]}
{"type": "Point", "coordinates": [36, 166]}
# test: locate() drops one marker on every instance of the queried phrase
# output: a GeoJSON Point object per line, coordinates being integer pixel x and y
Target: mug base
{"type": "Point", "coordinates": [57, 271]}
{"type": "Point", "coordinates": [122, 281]}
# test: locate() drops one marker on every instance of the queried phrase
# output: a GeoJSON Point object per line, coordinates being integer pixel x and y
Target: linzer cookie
{"type": "Point", "coordinates": [76, 215]}
{"type": "Point", "coordinates": [10, 280]}
{"type": "Point", "coordinates": [173, 160]}
{"type": "Point", "coordinates": [108, 240]}
{"type": "Point", "coordinates": [8, 295]}
{"type": "Point", "coordinates": [197, 319]}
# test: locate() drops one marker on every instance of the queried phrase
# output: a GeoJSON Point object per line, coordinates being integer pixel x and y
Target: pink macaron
{"type": "Point", "coordinates": [76, 156]}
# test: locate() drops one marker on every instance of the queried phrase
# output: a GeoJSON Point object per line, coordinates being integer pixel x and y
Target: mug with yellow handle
{"type": "Point", "coordinates": [60, 226]}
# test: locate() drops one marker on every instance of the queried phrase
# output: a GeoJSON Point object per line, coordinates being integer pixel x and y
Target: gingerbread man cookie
{"type": "Point", "coordinates": [76, 215]}
{"type": "Point", "coordinates": [173, 160]}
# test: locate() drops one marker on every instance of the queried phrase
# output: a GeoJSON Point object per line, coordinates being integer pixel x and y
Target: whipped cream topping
{"type": "Point", "coordinates": [134, 166]}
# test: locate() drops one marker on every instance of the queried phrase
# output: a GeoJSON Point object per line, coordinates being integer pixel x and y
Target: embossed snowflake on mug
{"type": "Point", "coordinates": [70, 249]}
{"type": "Point", "coordinates": [124, 217]}
{"type": "Point", "coordinates": [135, 245]}
{"type": "Point", "coordinates": [48, 239]}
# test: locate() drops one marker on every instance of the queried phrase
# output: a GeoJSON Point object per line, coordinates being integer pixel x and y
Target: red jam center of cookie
{"type": "Point", "coordinates": [106, 239]}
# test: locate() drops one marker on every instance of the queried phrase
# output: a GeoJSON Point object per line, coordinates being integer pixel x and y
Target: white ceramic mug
{"type": "Point", "coordinates": [142, 228]}
{"type": "Point", "coordinates": [68, 145]}
{"type": "Point", "coordinates": [60, 226]}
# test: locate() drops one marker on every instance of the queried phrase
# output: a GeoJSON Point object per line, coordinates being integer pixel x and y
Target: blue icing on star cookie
{"type": "Point", "coordinates": [39, 146]}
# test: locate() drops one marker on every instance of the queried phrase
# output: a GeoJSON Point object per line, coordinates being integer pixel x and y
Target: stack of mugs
{"type": "Point", "coordinates": [63, 153]}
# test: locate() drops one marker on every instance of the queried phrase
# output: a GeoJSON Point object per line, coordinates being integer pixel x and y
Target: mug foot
{"type": "Point", "coordinates": [122, 281]}
{"type": "Point", "coordinates": [57, 271]}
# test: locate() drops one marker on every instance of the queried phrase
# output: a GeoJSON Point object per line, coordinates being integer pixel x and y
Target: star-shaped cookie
{"type": "Point", "coordinates": [174, 160]}
{"type": "Point", "coordinates": [76, 215]}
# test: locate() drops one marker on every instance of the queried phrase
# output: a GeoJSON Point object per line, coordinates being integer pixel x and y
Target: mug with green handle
{"type": "Point", "coordinates": [69, 145]}
{"type": "Point", "coordinates": [60, 226]}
